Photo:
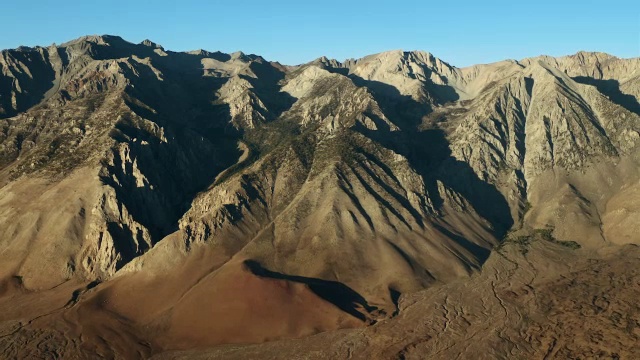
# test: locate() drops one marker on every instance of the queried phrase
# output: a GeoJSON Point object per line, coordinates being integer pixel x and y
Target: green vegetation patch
{"type": "Point", "coordinates": [523, 241]}
{"type": "Point", "coordinates": [547, 235]}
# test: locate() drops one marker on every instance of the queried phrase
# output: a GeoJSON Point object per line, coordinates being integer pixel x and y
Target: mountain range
{"type": "Point", "coordinates": [182, 204]}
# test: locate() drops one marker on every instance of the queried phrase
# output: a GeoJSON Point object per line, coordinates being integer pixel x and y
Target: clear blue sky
{"type": "Point", "coordinates": [459, 32]}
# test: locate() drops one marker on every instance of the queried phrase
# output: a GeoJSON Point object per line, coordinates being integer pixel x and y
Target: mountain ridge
{"type": "Point", "coordinates": [147, 42]}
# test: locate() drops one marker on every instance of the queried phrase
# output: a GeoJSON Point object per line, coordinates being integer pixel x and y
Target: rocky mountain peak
{"type": "Point", "coordinates": [149, 43]}
{"type": "Point", "coordinates": [107, 40]}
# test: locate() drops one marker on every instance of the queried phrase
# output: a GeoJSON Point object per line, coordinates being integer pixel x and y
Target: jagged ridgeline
{"type": "Point", "coordinates": [160, 190]}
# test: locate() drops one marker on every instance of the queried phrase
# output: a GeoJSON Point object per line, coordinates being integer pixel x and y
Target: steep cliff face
{"type": "Point", "coordinates": [178, 177]}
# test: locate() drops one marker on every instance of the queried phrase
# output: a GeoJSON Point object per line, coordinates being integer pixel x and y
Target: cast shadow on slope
{"type": "Point", "coordinates": [440, 93]}
{"type": "Point", "coordinates": [611, 88]}
{"type": "Point", "coordinates": [428, 152]}
{"type": "Point", "coordinates": [200, 141]}
{"type": "Point", "coordinates": [33, 84]}
{"type": "Point", "coordinates": [174, 169]}
{"type": "Point", "coordinates": [340, 295]}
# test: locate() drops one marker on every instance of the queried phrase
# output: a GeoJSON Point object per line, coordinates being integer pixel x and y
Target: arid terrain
{"type": "Point", "coordinates": [159, 204]}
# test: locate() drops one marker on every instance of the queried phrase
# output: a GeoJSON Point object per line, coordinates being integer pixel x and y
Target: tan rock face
{"type": "Point", "coordinates": [131, 171]}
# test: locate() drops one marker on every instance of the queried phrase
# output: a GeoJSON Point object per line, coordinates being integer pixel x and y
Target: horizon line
{"type": "Point", "coordinates": [317, 58]}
